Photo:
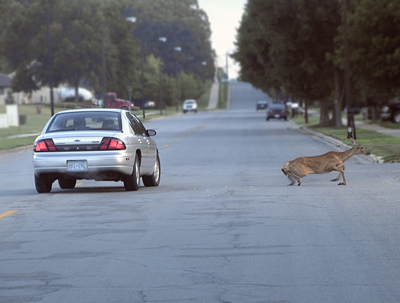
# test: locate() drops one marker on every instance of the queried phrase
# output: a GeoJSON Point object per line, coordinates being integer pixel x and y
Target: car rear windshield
{"type": "Point", "coordinates": [88, 120]}
{"type": "Point", "coordinates": [277, 106]}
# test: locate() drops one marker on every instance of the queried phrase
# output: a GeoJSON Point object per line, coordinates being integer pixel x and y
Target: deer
{"type": "Point", "coordinates": [322, 164]}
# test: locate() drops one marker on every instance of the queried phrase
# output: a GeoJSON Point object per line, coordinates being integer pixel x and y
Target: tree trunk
{"type": "Point", "coordinates": [337, 114]}
{"type": "Point", "coordinates": [306, 111]}
{"type": "Point", "coordinates": [324, 113]}
{"type": "Point", "coordinates": [77, 92]}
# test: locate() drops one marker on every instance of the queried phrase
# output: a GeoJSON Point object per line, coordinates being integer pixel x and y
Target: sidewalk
{"type": "Point", "coordinates": [375, 127]}
{"type": "Point", "coordinates": [212, 104]}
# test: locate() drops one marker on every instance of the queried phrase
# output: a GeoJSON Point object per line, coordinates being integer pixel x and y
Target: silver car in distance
{"type": "Point", "coordinates": [95, 144]}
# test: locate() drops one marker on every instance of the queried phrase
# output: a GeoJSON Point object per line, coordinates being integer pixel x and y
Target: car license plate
{"type": "Point", "coordinates": [277, 116]}
{"type": "Point", "coordinates": [76, 165]}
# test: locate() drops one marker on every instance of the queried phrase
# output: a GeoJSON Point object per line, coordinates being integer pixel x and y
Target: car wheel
{"type": "Point", "coordinates": [396, 117]}
{"type": "Point", "coordinates": [154, 179]}
{"type": "Point", "coordinates": [43, 184]}
{"type": "Point", "coordinates": [67, 183]}
{"type": "Point", "coordinates": [124, 108]}
{"type": "Point", "coordinates": [132, 182]}
{"type": "Point", "coordinates": [267, 119]}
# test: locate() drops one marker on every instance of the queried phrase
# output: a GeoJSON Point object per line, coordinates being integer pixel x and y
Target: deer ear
{"type": "Point", "coordinates": [354, 142]}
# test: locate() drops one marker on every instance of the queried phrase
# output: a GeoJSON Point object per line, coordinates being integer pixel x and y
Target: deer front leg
{"type": "Point", "coordinates": [340, 168]}
{"type": "Point", "coordinates": [344, 180]}
{"type": "Point", "coordinates": [340, 174]}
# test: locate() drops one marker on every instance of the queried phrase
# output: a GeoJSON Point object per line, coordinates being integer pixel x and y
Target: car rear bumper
{"type": "Point", "coordinates": [277, 116]}
{"type": "Point", "coordinates": [99, 164]}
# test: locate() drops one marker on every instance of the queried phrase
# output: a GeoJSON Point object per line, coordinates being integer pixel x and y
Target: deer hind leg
{"type": "Point", "coordinates": [291, 176]}
{"type": "Point", "coordinates": [337, 178]}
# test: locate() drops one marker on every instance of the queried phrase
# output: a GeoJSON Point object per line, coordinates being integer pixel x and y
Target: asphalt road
{"type": "Point", "coordinates": [223, 226]}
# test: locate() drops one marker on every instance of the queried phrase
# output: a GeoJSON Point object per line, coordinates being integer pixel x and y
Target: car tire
{"type": "Point", "coordinates": [43, 184]}
{"type": "Point", "coordinates": [67, 183]}
{"type": "Point", "coordinates": [132, 182]}
{"type": "Point", "coordinates": [267, 119]}
{"type": "Point", "coordinates": [396, 116]}
{"type": "Point", "coordinates": [154, 179]}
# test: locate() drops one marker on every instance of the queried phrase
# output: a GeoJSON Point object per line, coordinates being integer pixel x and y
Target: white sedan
{"type": "Point", "coordinates": [96, 144]}
{"type": "Point", "coordinates": [189, 106]}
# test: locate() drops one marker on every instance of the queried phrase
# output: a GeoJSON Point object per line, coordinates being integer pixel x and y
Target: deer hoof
{"type": "Point", "coordinates": [342, 183]}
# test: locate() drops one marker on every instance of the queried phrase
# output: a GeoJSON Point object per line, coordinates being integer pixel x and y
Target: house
{"type": "Point", "coordinates": [40, 96]}
{"type": "Point", "coordinates": [5, 89]}
{"type": "Point", "coordinates": [7, 96]}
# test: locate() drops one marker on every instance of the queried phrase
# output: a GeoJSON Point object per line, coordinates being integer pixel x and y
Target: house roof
{"type": "Point", "coordinates": [5, 81]}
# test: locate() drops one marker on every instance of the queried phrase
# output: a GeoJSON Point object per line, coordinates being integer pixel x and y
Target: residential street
{"type": "Point", "coordinates": [223, 226]}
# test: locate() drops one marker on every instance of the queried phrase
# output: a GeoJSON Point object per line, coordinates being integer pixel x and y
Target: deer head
{"type": "Point", "coordinates": [359, 148]}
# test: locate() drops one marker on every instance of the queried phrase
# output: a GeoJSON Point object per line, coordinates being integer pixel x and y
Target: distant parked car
{"type": "Point", "coordinates": [149, 104]}
{"type": "Point", "coordinates": [262, 105]}
{"type": "Point", "coordinates": [68, 94]}
{"type": "Point", "coordinates": [391, 112]}
{"type": "Point", "coordinates": [277, 111]}
{"type": "Point", "coordinates": [189, 106]}
{"type": "Point", "coordinates": [95, 144]}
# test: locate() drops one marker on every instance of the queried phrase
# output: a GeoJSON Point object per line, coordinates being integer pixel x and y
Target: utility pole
{"type": "Point", "coordinates": [227, 70]}
{"type": "Point", "coordinates": [350, 117]}
{"type": "Point", "coordinates": [49, 59]}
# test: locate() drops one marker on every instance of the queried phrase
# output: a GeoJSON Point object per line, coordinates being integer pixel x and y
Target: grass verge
{"type": "Point", "coordinates": [223, 95]}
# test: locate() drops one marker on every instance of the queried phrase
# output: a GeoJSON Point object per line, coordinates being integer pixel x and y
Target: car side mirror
{"type": "Point", "coordinates": [151, 132]}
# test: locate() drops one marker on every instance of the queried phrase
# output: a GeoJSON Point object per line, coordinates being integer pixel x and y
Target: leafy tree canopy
{"type": "Point", "coordinates": [283, 45]}
{"type": "Point", "coordinates": [80, 30]}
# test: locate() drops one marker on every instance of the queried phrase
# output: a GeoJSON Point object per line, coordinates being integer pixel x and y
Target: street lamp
{"type": "Point", "coordinates": [162, 39]}
{"type": "Point", "coordinates": [130, 19]}
{"type": "Point", "coordinates": [49, 58]}
{"type": "Point", "coordinates": [350, 117]}
{"type": "Point", "coordinates": [103, 64]}
{"type": "Point", "coordinates": [133, 20]}
{"type": "Point", "coordinates": [178, 49]}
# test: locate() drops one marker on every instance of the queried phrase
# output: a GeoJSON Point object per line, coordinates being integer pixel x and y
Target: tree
{"type": "Point", "coordinates": [10, 9]}
{"type": "Point", "coordinates": [78, 30]}
{"type": "Point", "coordinates": [287, 45]}
{"type": "Point", "coordinates": [183, 24]}
{"type": "Point", "coordinates": [374, 41]}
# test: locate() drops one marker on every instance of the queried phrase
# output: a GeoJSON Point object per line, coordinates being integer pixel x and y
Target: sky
{"type": "Point", "coordinates": [224, 17]}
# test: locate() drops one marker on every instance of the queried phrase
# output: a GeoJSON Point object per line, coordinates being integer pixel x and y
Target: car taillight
{"type": "Point", "coordinates": [45, 145]}
{"type": "Point", "coordinates": [112, 143]}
